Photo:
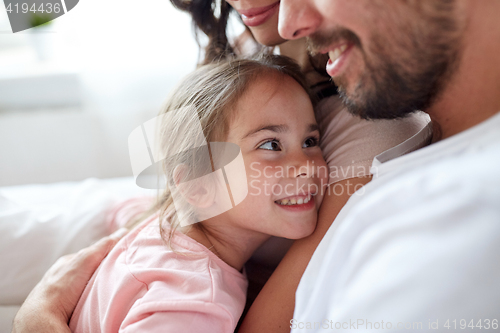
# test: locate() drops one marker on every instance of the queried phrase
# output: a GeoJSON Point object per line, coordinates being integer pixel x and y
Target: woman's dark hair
{"type": "Point", "coordinates": [206, 21]}
{"type": "Point", "coordinates": [211, 18]}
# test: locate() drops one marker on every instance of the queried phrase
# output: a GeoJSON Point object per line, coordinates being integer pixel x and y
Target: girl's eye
{"type": "Point", "coordinates": [311, 142]}
{"type": "Point", "coordinates": [271, 145]}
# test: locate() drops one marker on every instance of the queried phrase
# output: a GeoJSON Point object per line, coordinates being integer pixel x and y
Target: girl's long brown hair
{"type": "Point", "coordinates": [214, 26]}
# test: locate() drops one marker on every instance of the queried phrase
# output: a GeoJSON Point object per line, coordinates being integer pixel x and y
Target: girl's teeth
{"type": "Point", "coordinates": [300, 201]}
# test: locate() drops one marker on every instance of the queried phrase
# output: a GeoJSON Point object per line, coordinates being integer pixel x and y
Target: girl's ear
{"type": "Point", "coordinates": [198, 192]}
{"type": "Point", "coordinates": [180, 173]}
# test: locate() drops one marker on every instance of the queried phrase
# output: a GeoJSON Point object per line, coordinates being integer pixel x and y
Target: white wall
{"type": "Point", "coordinates": [126, 54]}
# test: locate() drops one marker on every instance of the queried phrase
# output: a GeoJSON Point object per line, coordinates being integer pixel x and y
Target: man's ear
{"type": "Point", "coordinates": [198, 192]}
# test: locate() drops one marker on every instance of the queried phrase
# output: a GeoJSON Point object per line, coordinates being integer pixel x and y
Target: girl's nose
{"type": "Point", "coordinates": [297, 19]}
{"type": "Point", "coordinates": [301, 165]}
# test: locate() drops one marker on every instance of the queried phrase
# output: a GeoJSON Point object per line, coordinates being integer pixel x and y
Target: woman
{"type": "Point", "coordinates": [349, 145]}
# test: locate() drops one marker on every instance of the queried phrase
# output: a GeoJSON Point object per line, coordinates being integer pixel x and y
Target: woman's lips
{"type": "Point", "coordinates": [256, 16]}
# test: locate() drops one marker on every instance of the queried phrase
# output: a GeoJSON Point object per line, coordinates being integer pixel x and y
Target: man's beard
{"type": "Point", "coordinates": [404, 73]}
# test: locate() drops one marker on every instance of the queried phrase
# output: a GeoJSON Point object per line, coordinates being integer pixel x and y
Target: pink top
{"type": "Point", "coordinates": [143, 286]}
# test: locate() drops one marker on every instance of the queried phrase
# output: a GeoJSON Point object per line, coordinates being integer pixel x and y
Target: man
{"type": "Point", "coordinates": [420, 248]}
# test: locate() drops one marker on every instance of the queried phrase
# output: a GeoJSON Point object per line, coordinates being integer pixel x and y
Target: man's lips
{"type": "Point", "coordinates": [336, 52]}
{"type": "Point", "coordinates": [256, 16]}
{"type": "Point", "coordinates": [338, 57]}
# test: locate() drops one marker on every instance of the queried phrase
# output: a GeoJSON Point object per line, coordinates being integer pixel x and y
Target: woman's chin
{"type": "Point", "coordinates": [263, 37]}
{"type": "Point", "coordinates": [272, 41]}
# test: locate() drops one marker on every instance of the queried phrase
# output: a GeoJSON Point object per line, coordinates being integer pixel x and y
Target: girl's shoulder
{"type": "Point", "coordinates": [185, 273]}
{"type": "Point", "coordinates": [147, 251]}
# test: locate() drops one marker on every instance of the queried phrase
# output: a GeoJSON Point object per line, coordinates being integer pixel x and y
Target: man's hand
{"type": "Point", "coordinates": [50, 304]}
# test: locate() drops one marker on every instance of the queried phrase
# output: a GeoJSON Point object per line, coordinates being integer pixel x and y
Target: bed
{"type": "Point", "coordinates": [40, 223]}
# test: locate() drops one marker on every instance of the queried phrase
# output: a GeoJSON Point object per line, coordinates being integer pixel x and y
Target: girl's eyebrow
{"type": "Point", "coordinates": [272, 128]}
{"type": "Point", "coordinates": [313, 127]}
{"type": "Point", "coordinates": [278, 129]}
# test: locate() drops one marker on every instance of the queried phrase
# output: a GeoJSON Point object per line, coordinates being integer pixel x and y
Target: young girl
{"type": "Point", "coordinates": [187, 276]}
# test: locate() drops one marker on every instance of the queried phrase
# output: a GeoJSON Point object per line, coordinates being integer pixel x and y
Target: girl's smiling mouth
{"type": "Point", "coordinates": [297, 202]}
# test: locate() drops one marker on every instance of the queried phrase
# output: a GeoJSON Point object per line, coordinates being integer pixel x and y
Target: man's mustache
{"type": "Point", "coordinates": [320, 40]}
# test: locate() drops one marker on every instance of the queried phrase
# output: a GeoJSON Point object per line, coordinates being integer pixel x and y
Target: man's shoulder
{"type": "Point", "coordinates": [418, 244]}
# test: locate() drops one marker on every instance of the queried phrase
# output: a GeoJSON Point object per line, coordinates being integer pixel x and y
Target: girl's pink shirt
{"type": "Point", "coordinates": [144, 286]}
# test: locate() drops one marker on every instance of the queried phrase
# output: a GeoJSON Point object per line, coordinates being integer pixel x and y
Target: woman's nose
{"type": "Point", "coordinates": [297, 19]}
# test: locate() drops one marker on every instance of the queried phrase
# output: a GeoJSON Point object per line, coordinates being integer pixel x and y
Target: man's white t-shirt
{"type": "Point", "coordinates": [418, 249]}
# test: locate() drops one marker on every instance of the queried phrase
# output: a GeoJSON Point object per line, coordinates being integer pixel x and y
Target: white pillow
{"type": "Point", "coordinates": [40, 223]}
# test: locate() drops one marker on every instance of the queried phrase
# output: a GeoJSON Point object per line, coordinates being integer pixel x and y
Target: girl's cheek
{"type": "Point", "coordinates": [321, 167]}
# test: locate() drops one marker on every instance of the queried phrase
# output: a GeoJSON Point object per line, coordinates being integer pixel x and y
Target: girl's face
{"type": "Point", "coordinates": [261, 17]}
{"type": "Point", "coordinates": [275, 128]}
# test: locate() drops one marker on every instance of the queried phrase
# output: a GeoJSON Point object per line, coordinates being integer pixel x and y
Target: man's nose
{"type": "Point", "coordinates": [297, 19]}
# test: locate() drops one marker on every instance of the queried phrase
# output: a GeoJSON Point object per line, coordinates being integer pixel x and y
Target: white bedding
{"type": "Point", "coordinates": [40, 223]}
